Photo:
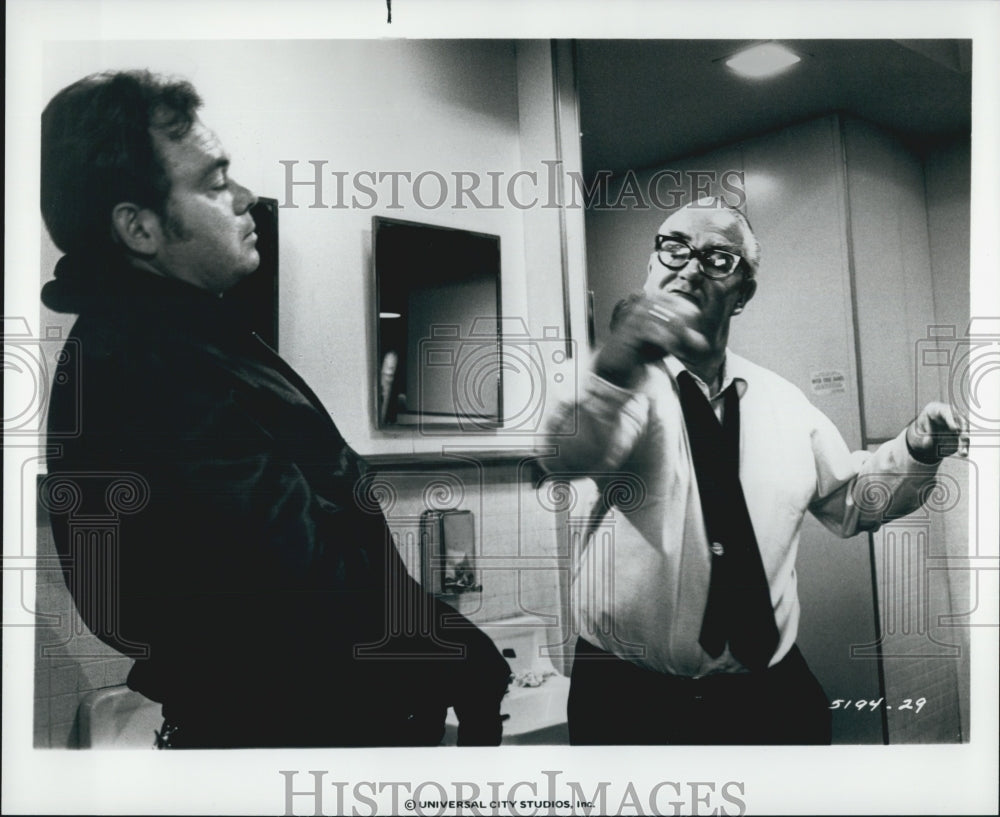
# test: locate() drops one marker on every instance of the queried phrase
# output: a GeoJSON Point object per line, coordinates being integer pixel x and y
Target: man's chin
{"type": "Point", "coordinates": [241, 274]}
{"type": "Point", "coordinates": [251, 266]}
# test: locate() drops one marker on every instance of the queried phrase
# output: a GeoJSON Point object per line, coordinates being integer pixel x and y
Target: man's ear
{"type": "Point", "coordinates": [137, 228]}
{"type": "Point", "coordinates": [746, 293]}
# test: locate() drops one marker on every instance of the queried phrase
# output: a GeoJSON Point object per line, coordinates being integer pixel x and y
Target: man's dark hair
{"type": "Point", "coordinates": [98, 151]}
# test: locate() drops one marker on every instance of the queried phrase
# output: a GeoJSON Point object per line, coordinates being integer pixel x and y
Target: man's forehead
{"type": "Point", "coordinates": [199, 146]}
{"type": "Point", "coordinates": [692, 221]}
{"type": "Point", "coordinates": [205, 138]}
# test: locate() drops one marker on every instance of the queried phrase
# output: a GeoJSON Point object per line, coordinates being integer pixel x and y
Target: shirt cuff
{"type": "Point", "coordinates": [903, 454]}
{"type": "Point", "coordinates": [607, 391]}
{"type": "Point", "coordinates": [913, 454]}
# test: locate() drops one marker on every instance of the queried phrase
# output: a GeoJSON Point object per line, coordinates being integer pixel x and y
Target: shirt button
{"type": "Point", "coordinates": [717, 549]}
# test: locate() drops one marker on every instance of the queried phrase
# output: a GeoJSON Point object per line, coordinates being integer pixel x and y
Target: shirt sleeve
{"type": "Point", "coordinates": [597, 431]}
{"type": "Point", "coordinates": [861, 490]}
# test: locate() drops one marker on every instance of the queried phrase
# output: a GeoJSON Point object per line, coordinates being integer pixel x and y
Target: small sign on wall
{"type": "Point", "coordinates": [829, 381]}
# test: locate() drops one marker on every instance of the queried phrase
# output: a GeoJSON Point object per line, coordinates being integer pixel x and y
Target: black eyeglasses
{"type": "Point", "coordinates": [675, 254]}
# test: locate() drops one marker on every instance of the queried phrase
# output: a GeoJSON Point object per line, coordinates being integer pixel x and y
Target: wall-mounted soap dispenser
{"type": "Point", "coordinates": [448, 555]}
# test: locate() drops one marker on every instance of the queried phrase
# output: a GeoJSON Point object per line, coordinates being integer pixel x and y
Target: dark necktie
{"type": "Point", "coordinates": [739, 603]}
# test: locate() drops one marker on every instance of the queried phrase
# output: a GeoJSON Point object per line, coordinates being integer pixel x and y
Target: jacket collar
{"type": "Point", "coordinates": [121, 294]}
{"type": "Point", "coordinates": [735, 369]}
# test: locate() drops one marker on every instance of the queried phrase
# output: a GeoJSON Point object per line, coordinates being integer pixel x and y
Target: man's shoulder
{"type": "Point", "coordinates": [762, 380]}
{"type": "Point", "coordinates": [141, 360]}
{"type": "Point", "coordinates": [123, 346]}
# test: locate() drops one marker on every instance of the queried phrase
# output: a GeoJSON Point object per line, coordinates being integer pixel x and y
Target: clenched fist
{"type": "Point", "coordinates": [650, 327]}
{"type": "Point", "coordinates": [937, 432]}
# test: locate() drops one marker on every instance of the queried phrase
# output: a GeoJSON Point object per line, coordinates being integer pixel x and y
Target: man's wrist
{"type": "Point", "coordinates": [618, 365]}
{"type": "Point", "coordinates": [623, 379]}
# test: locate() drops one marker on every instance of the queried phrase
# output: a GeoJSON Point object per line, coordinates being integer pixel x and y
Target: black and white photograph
{"type": "Point", "coordinates": [480, 408]}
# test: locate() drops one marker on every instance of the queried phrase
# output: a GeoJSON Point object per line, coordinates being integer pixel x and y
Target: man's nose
{"type": "Point", "coordinates": [244, 199]}
{"type": "Point", "coordinates": [691, 269]}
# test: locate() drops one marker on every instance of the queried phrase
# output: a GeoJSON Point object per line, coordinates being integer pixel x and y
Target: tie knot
{"type": "Point", "coordinates": [693, 397]}
{"type": "Point", "coordinates": [688, 380]}
{"type": "Point", "coordinates": [688, 385]}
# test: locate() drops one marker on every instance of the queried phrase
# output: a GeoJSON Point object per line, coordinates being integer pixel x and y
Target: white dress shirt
{"type": "Point", "coordinates": [642, 580]}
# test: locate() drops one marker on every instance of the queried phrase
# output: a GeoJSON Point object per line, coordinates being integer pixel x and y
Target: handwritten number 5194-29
{"type": "Point", "coordinates": [864, 704]}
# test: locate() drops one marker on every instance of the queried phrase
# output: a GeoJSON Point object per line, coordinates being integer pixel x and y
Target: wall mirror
{"type": "Point", "coordinates": [438, 355]}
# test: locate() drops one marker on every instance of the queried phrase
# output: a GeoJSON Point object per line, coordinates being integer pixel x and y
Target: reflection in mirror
{"type": "Point", "coordinates": [438, 338]}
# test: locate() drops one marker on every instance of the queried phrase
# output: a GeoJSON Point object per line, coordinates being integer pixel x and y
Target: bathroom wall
{"type": "Point", "coordinates": [909, 219]}
{"type": "Point", "coordinates": [891, 266]}
{"type": "Point", "coordinates": [515, 529]}
{"type": "Point", "coordinates": [947, 180]}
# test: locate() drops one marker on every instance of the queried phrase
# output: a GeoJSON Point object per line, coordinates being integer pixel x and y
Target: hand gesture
{"type": "Point", "coordinates": [649, 328]}
{"type": "Point", "coordinates": [937, 432]}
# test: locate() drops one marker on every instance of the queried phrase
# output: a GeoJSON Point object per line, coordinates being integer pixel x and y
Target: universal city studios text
{"type": "Point", "coordinates": [314, 183]}
{"type": "Point", "coordinates": [318, 792]}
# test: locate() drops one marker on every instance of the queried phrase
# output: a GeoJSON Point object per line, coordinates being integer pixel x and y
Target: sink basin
{"type": "Point", "coordinates": [118, 718]}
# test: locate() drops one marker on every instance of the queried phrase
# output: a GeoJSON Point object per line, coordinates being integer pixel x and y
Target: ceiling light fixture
{"type": "Point", "coordinates": [764, 60]}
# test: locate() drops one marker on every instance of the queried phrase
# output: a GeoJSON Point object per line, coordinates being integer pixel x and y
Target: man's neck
{"type": "Point", "coordinates": [156, 269]}
{"type": "Point", "coordinates": [708, 363]}
{"type": "Point", "coordinates": [145, 266]}
{"type": "Point", "coordinates": [707, 368]}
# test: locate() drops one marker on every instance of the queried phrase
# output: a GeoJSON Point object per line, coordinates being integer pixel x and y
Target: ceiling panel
{"type": "Point", "coordinates": [645, 102]}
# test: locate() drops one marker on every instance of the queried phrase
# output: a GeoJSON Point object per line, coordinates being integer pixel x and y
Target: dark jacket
{"type": "Point", "coordinates": [259, 591]}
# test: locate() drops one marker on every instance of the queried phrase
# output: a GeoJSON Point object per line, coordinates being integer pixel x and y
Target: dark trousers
{"type": "Point", "coordinates": [613, 701]}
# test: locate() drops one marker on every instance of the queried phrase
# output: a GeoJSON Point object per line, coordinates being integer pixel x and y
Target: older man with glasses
{"type": "Point", "coordinates": [688, 623]}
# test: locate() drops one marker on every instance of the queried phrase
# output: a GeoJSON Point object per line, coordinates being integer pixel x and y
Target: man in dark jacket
{"type": "Point", "coordinates": [261, 596]}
